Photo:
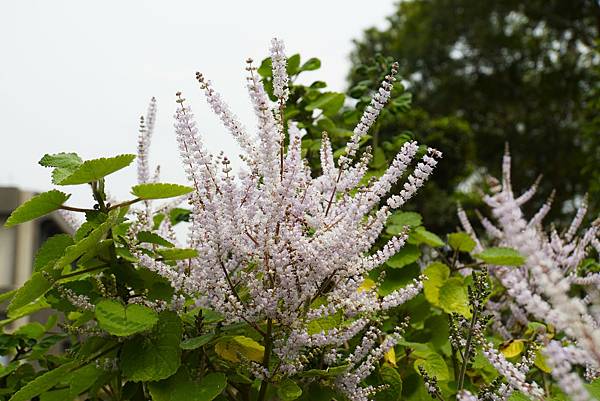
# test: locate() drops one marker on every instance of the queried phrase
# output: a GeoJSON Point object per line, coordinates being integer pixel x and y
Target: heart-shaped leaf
{"type": "Point", "coordinates": [124, 321]}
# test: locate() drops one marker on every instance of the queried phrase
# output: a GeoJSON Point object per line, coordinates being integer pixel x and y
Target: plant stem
{"type": "Point", "coordinates": [266, 359]}
{"type": "Point", "coordinates": [463, 368]}
{"type": "Point", "coordinates": [76, 209]}
{"type": "Point", "coordinates": [76, 273]}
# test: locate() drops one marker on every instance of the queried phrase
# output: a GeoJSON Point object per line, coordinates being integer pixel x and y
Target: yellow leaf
{"type": "Point", "coordinates": [231, 348]}
{"type": "Point", "coordinates": [513, 348]}
{"type": "Point", "coordinates": [540, 362]}
{"type": "Point", "coordinates": [390, 357]}
{"type": "Point", "coordinates": [366, 285]}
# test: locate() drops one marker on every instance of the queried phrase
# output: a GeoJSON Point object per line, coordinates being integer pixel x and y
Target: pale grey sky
{"type": "Point", "coordinates": [76, 75]}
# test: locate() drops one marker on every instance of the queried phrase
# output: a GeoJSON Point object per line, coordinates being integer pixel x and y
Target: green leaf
{"type": "Point", "coordinates": [177, 253]}
{"type": "Point", "coordinates": [79, 248]}
{"type": "Point", "coordinates": [64, 163]}
{"type": "Point", "coordinates": [329, 102]}
{"type": "Point", "coordinates": [324, 323]}
{"type": "Point", "coordinates": [51, 250]}
{"type": "Point", "coordinates": [83, 378]}
{"type": "Point", "coordinates": [28, 309]}
{"type": "Point", "coordinates": [8, 369]}
{"type": "Point", "coordinates": [461, 242]}
{"type": "Point", "coordinates": [407, 255]}
{"type": "Point", "coordinates": [56, 395]}
{"type": "Point", "coordinates": [5, 296]}
{"type": "Point", "coordinates": [293, 63]}
{"type": "Point", "coordinates": [35, 287]}
{"type": "Point", "coordinates": [594, 388]}
{"type": "Point", "coordinates": [42, 383]}
{"type": "Point", "coordinates": [433, 363]}
{"type": "Point", "coordinates": [422, 236]}
{"type": "Point", "coordinates": [31, 330]}
{"type": "Point", "coordinates": [288, 390]}
{"type": "Point", "coordinates": [124, 321]}
{"type": "Point", "coordinates": [63, 160]}
{"type": "Point", "coordinates": [437, 273]}
{"type": "Point", "coordinates": [155, 356]}
{"type": "Point", "coordinates": [152, 238]}
{"type": "Point", "coordinates": [266, 68]}
{"type": "Point", "coordinates": [197, 342]}
{"type": "Point", "coordinates": [501, 256]}
{"type": "Point", "coordinates": [93, 170]}
{"type": "Point", "coordinates": [513, 348]}
{"type": "Point", "coordinates": [159, 190]}
{"type": "Point", "coordinates": [230, 349]}
{"type": "Point", "coordinates": [454, 297]}
{"type": "Point", "coordinates": [518, 396]}
{"type": "Point", "coordinates": [392, 379]}
{"type": "Point", "coordinates": [37, 206]}
{"type": "Point", "coordinates": [411, 219]}
{"type": "Point", "coordinates": [180, 387]}
{"type": "Point", "coordinates": [311, 64]}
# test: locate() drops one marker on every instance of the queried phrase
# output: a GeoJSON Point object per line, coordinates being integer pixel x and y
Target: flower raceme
{"type": "Point", "coordinates": [542, 288]}
{"type": "Point", "coordinates": [282, 250]}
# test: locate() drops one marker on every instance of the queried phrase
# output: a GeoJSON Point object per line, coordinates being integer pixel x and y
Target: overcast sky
{"type": "Point", "coordinates": [76, 75]}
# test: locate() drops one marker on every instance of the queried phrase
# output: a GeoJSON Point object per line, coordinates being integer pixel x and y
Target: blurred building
{"type": "Point", "coordinates": [19, 244]}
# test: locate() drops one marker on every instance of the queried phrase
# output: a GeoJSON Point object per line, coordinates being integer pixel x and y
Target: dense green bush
{"type": "Point", "coordinates": [233, 314]}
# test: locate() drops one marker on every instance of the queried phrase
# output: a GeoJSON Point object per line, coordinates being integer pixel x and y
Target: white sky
{"type": "Point", "coordinates": [76, 75]}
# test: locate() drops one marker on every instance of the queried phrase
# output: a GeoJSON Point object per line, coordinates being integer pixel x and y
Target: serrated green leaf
{"type": "Point", "coordinates": [159, 191]}
{"type": "Point", "coordinates": [64, 160]}
{"type": "Point", "coordinates": [152, 238]}
{"type": "Point", "coordinates": [93, 170]}
{"type": "Point", "coordinates": [288, 390]}
{"type": "Point", "coordinates": [42, 383]}
{"type": "Point", "coordinates": [51, 250]}
{"type": "Point", "coordinates": [37, 285]}
{"type": "Point", "coordinates": [501, 256]}
{"type": "Point", "coordinates": [422, 236]}
{"type": "Point", "coordinates": [454, 297]}
{"type": "Point", "coordinates": [407, 255]}
{"type": "Point", "coordinates": [37, 206]}
{"type": "Point", "coordinates": [180, 387]}
{"type": "Point", "coordinates": [124, 321]}
{"type": "Point", "coordinates": [437, 273]}
{"type": "Point", "coordinates": [230, 349]}
{"type": "Point", "coordinates": [155, 356]}
{"type": "Point", "coordinates": [65, 164]}
{"type": "Point", "coordinates": [197, 342]}
{"type": "Point", "coordinates": [79, 248]}
{"type": "Point", "coordinates": [177, 253]}
{"type": "Point", "coordinates": [461, 242]}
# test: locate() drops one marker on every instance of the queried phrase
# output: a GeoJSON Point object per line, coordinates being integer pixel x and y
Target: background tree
{"type": "Point", "coordinates": [503, 71]}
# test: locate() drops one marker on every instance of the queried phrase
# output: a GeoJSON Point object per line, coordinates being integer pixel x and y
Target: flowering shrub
{"type": "Point", "coordinates": [294, 282]}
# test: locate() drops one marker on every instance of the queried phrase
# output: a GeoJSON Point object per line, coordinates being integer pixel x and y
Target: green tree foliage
{"type": "Point", "coordinates": [496, 72]}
